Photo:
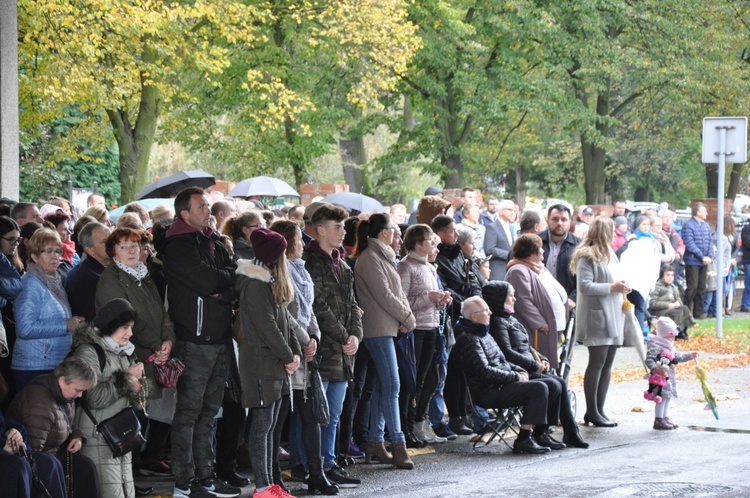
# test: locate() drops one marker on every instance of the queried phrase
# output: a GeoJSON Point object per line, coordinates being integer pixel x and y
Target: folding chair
{"type": "Point", "coordinates": [504, 420]}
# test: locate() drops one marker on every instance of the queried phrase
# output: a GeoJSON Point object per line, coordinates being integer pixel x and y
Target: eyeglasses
{"type": "Point", "coordinates": [129, 248]}
{"type": "Point", "coordinates": [13, 240]}
{"type": "Point", "coordinates": [56, 252]}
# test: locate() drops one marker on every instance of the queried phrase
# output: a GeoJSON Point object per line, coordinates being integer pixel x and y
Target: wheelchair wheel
{"type": "Point", "coordinates": [573, 402]}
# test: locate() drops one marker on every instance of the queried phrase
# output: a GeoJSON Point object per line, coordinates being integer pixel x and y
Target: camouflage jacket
{"type": "Point", "coordinates": [337, 312]}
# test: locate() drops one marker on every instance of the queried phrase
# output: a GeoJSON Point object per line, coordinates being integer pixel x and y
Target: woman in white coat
{"type": "Point", "coordinates": [599, 316]}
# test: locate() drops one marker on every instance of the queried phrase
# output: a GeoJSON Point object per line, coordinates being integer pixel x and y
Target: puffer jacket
{"type": "Point", "coordinates": [418, 279]}
{"type": "Point", "coordinates": [662, 296]}
{"type": "Point", "coordinates": [478, 355]}
{"type": "Point", "coordinates": [509, 334]}
{"type": "Point", "coordinates": [43, 339]}
{"type": "Point", "coordinates": [379, 290]}
{"type": "Point", "coordinates": [47, 416]}
{"type": "Point", "coordinates": [154, 326]}
{"type": "Point", "coordinates": [10, 281]}
{"type": "Point", "coordinates": [109, 397]}
{"type": "Point", "coordinates": [698, 242]}
{"type": "Point", "coordinates": [200, 278]}
{"type": "Point", "coordinates": [269, 338]}
{"type": "Point", "coordinates": [336, 310]}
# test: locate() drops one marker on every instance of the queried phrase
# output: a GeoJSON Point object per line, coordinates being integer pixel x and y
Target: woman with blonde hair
{"type": "Point", "coordinates": [99, 214]}
{"type": "Point", "coordinates": [599, 316]}
{"type": "Point", "coordinates": [269, 352]}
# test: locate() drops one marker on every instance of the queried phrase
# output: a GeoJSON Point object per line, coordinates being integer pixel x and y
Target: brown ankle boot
{"type": "Point", "coordinates": [401, 458]}
{"type": "Point", "coordinates": [661, 424]}
{"type": "Point", "coordinates": [377, 451]}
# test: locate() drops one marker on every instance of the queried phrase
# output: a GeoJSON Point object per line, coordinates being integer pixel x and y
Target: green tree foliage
{"type": "Point", "coordinates": [40, 179]}
{"type": "Point", "coordinates": [316, 66]}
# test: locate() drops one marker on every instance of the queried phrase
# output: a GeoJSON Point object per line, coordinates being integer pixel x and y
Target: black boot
{"type": "Point", "coordinates": [574, 439]}
{"type": "Point", "coordinates": [320, 484]}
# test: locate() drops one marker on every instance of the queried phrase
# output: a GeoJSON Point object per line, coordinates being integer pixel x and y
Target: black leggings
{"type": "Point", "coordinates": [427, 377]}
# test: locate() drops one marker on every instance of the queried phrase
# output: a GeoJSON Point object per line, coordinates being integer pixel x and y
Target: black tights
{"type": "Point", "coordinates": [596, 380]}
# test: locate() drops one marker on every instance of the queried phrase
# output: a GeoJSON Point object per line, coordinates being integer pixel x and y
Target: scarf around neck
{"type": "Point", "coordinates": [53, 284]}
{"type": "Point", "coordinates": [128, 350]}
{"type": "Point", "coordinates": [535, 267]}
{"type": "Point", "coordinates": [303, 290]}
{"type": "Point", "coordinates": [139, 272]}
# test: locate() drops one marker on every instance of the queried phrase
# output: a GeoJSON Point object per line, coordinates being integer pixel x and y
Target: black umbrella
{"type": "Point", "coordinates": [171, 184]}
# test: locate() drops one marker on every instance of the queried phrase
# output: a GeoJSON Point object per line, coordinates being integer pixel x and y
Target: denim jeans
{"type": "Point", "coordinates": [384, 407]}
{"type": "Point", "coordinates": [335, 392]}
{"type": "Point", "coordinates": [437, 404]}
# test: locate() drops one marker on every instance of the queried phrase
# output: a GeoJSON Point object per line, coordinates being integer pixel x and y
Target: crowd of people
{"type": "Point", "coordinates": [322, 335]}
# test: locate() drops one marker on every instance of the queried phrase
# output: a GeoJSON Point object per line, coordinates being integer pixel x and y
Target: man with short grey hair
{"type": "Point", "coordinates": [499, 238]}
{"type": "Point", "coordinates": [25, 212]}
{"type": "Point", "coordinates": [81, 282]}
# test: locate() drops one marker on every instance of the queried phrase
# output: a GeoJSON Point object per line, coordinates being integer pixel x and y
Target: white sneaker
{"type": "Point", "coordinates": [432, 438]}
{"type": "Point", "coordinates": [419, 432]}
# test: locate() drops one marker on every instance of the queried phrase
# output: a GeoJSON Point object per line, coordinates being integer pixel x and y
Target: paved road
{"type": "Point", "coordinates": [629, 460]}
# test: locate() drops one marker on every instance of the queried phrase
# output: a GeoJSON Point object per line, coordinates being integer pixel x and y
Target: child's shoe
{"type": "Point", "coordinates": [674, 426]}
{"type": "Point", "coordinates": [661, 424]}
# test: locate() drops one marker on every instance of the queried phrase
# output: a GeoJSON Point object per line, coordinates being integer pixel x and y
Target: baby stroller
{"type": "Point", "coordinates": [566, 356]}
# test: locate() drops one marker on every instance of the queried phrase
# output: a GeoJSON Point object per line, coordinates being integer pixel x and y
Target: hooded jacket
{"type": "Point", "coordinates": [509, 334]}
{"type": "Point", "coordinates": [109, 397]}
{"type": "Point", "coordinates": [200, 279]}
{"type": "Point", "coordinates": [336, 309]}
{"type": "Point", "coordinates": [269, 338]}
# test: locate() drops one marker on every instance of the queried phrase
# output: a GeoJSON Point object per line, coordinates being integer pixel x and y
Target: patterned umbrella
{"type": "Point", "coordinates": [702, 375]}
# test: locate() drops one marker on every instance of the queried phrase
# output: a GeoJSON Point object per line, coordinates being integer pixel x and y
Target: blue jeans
{"type": "Point", "coordinates": [746, 293]}
{"type": "Point", "coordinates": [436, 411]}
{"type": "Point", "coordinates": [384, 407]}
{"type": "Point", "coordinates": [335, 392]}
{"type": "Point", "coordinates": [709, 303]}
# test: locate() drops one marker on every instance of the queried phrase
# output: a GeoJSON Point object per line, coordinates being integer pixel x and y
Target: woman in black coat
{"type": "Point", "coordinates": [513, 340]}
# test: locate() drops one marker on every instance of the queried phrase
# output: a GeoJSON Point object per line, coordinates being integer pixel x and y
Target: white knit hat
{"type": "Point", "coordinates": [665, 327]}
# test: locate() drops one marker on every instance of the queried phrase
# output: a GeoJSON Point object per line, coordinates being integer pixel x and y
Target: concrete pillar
{"type": "Point", "coordinates": [9, 99]}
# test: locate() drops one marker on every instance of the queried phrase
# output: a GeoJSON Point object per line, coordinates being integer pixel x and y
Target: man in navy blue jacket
{"type": "Point", "coordinates": [699, 252]}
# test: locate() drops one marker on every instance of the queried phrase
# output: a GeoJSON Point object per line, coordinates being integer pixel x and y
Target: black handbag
{"type": "Point", "coordinates": [122, 431]}
{"type": "Point", "coordinates": [320, 410]}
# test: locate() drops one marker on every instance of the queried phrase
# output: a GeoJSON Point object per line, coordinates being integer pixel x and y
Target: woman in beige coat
{"type": "Point", "coordinates": [386, 313]}
{"type": "Point", "coordinates": [599, 317]}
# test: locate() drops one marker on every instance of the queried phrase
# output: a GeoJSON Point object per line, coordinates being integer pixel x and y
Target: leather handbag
{"type": "Point", "coordinates": [122, 431]}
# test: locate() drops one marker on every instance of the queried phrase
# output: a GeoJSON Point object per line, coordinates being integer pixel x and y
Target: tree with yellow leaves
{"type": "Point", "coordinates": [237, 72]}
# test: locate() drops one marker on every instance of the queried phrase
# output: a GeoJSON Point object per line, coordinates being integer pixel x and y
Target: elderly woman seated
{"type": "Point", "coordinates": [513, 340]}
{"type": "Point", "coordinates": [496, 383]}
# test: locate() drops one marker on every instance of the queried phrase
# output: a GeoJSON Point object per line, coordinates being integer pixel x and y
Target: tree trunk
{"type": "Point", "coordinates": [734, 181]}
{"type": "Point", "coordinates": [134, 142]}
{"type": "Point", "coordinates": [521, 185]}
{"type": "Point", "coordinates": [593, 171]}
{"type": "Point", "coordinates": [455, 166]}
{"type": "Point", "coordinates": [712, 180]}
{"type": "Point", "coordinates": [353, 160]}
{"type": "Point", "coordinates": [642, 194]}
